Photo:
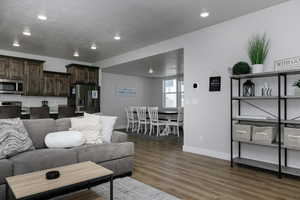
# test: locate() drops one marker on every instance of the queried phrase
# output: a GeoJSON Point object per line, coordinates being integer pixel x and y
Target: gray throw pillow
{"type": "Point", "coordinates": [14, 138]}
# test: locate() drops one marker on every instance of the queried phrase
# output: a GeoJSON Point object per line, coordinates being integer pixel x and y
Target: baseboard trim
{"type": "Point", "coordinates": [206, 152]}
{"type": "Point", "coordinates": [121, 127]}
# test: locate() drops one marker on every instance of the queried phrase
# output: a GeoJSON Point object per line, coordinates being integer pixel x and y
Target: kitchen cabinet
{"type": "Point", "coordinates": [11, 68]}
{"type": "Point", "coordinates": [33, 75]}
{"type": "Point", "coordinates": [63, 85]}
{"type": "Point", "coordinates": [49, 84]}
{"type": "Point", "coordinates": [56, 84]}
{"type": "Point", "coordinates": [16, 69]}
{"type": "Point", "coordinates": [83, 74]}
{"type": "Point", "coordinates": [93, 75]}
{"type": "Point", "coordinates": [3, 68]}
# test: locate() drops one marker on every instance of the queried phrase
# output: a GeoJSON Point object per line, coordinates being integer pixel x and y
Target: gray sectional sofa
{"type": "Point", "coordinates": [117, 155]}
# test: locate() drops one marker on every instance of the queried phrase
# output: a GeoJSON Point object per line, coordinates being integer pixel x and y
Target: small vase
{"type": "Point", "coordinates": [297, 91]}
{"type": "Point", "coordinates": [258, 68]}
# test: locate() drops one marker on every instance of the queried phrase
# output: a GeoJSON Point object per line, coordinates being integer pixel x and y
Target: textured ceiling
{"type": "Point", "coordinates": [163, 65]}
{"type": "Point", "coordinates": [75, 24]}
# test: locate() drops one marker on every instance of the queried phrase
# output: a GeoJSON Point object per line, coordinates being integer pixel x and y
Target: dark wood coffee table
{"type": "Point", "coordinates": [34, 186]}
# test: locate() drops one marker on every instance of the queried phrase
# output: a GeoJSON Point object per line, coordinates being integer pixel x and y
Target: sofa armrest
{"type": "Point", "coordinates": [118, 137]}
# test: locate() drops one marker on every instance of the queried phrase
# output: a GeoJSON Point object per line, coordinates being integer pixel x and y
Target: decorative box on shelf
{"type": "Point", "coordinates": [264, 134]}
{"type": "Point", "coordinates": [292, 138]}
{"type": "Point", "coordinates": [242, 132]}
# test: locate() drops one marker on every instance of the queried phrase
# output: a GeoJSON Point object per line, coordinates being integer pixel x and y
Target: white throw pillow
{"type": "Point", "coordinates": [107, 122]}
{"type": "Point", "coordinates": [90, 128]}
{"type": "Point", "coordinates": [64, 139]}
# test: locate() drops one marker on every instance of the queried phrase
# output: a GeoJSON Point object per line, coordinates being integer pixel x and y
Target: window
{"type": "Point", "coordinates": [173, 93]}
{"type": "Point", "coordinates": [170, 93]}
{"type": "Point", "coordinates": [181, 90]}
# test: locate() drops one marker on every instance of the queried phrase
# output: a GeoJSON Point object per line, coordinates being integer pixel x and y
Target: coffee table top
{"type": "Point", "coordinates": [34, 183]}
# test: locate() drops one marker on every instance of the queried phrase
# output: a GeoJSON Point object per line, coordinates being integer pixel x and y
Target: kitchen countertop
{"type": "Point", "coordinates": [51, 112]}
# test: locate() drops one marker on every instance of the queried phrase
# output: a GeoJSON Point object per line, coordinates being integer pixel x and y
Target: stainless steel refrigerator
{"type": "Point", "coordinates": [85, 97]}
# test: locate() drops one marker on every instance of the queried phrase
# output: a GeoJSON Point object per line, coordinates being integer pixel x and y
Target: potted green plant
{"type": "Point", "coordinates": [258, 51]}
{"type": "Point", "coordinates": [297, 88]}
{"type": "Point", "coordinates": [241, 68]}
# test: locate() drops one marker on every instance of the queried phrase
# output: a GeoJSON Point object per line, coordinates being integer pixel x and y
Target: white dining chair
{"type": "Point", "coordinates": [154, 120]}
{"type": "Point", "coordinates": [131, 120]}
{"type": "Point", "coordinates": [178, 123]}
{"type": "Point", "coordinates": [142, 119]}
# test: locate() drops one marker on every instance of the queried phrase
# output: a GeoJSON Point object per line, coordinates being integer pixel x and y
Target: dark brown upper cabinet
{"type": "Point", "coordinates": [3, 67]}
{"type": "Point", "coordinates": [56, 84]}
{"type": "Point", "coordinates": [83, 74]}
{"type": "Point", "coordinates": [33, 74]}
{"type": "Point", "coordinates": [11, 68]}
{"type": "Point", "coordinates": [16, 69]}
{"type": "Point", "coordinates": [28, 70]}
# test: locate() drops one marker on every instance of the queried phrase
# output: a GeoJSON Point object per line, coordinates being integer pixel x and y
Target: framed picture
{"type": "Point", "coordinates": [215, 84]}
{"type": "Point", "coordinates": [287, 64]}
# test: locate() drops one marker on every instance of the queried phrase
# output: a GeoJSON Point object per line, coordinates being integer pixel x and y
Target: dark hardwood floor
{"type": "Point", "coordinates": [162, 164]}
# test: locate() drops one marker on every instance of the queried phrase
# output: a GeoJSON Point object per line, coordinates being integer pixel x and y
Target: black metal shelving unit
{"type": "Point", "coordinates": [282, 112]}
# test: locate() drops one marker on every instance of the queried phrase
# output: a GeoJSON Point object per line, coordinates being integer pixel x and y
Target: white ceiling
{"type": "Point", "coordinates": [75, 24]}
{"type": "Point", "coordinates": [163, 65]}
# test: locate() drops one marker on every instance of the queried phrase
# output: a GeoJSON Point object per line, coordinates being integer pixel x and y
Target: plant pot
{"type": "Point", "coordinates": [297, 91]}
{"type": "Point", "coordinates": [258, 68]}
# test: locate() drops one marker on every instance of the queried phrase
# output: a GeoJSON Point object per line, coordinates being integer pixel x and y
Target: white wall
{"type": "Point", "coordinates": [51, 64]}
{"type": "Point", "coordinates": [113, 104]}
{"type": "Point", "coordinates": [209, 52]}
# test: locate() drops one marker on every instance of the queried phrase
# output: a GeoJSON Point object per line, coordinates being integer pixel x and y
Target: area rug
{"type": "Point", "coordinates": [126, 189]}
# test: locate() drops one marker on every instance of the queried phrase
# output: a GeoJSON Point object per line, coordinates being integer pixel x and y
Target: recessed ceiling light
{"type": "Point", "coordinates": [76, 54]}
{"type": "Point", "coordinates": [151, 70]}
{"type": "Point", "coordinates": [26, 32]}
{"type": "Point", "coordinates": [94, 46]}
{"type": "Point", "coordinates": [42, 17]}
{"type": "Point", "coordinates": [117, 37]}
{"type": "Point", "coordinates": [16, 43]}
{"type": "Point", "coordinates": [204, 14]}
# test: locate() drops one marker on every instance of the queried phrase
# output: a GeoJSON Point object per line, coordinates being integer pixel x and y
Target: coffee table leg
{"type": "Point", "coordinates": [111, 188]}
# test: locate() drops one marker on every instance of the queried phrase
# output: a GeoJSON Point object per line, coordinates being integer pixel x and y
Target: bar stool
{"type": "Point", "coordinates": [66, 111]}
{"type": "Point", "coordinates": [10, 112]}
{"type": "Point", "coordinates": [39, 112]}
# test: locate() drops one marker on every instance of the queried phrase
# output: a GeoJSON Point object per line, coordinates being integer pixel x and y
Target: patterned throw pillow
{"type": "Point", "coordinates": [90, 128]}
{"type": "Point", "coordinates": [14, 138]}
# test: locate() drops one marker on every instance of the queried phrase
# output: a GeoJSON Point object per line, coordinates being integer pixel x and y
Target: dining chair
{"type": "Point", "coordinates": [39, 112]}
{"type": "Point", "coordinates": [66, 111]}
{"type": "Point", "coordinates": [178, 123]}
{"type": "Point", "coordinates": [10, 112]}
{"type": "Point", "coordinates": [154, 120]}
{"type": "Point", "coordinates": [131, 120]}
{"type": "Point", "coordinates": [142, 118]}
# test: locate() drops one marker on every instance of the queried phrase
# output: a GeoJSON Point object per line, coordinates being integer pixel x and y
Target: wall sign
{"type": "Point", "coordinates": [215, 84]}
{"type": "Point", "coordinates": [94, 94]}
{"type": "Point", "coordinates": [126, 92]}
{"type": "Point", "coordinates": [287, 64]}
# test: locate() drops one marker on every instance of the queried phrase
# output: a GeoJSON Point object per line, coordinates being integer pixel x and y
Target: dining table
{"type": "Point", "coordinates": [166, 115]}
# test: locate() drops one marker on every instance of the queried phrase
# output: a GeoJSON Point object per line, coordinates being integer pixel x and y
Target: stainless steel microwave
{"type": "Point", "coordinates": [11, 86]}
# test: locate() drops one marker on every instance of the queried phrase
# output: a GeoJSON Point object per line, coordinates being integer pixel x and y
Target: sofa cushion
{"type": "Point", "coordinates": [118, 137]}
{"type": "Point", "coordinates": [6, 170]}
{"type": "Point", "coordinates": [42, 159]}
{"type": "Point", "coordinates": [63, 124]}
{"type": "Point", "coordinates": [104, 152]}
{"type": "Point", "coordinates": [38, 129]}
